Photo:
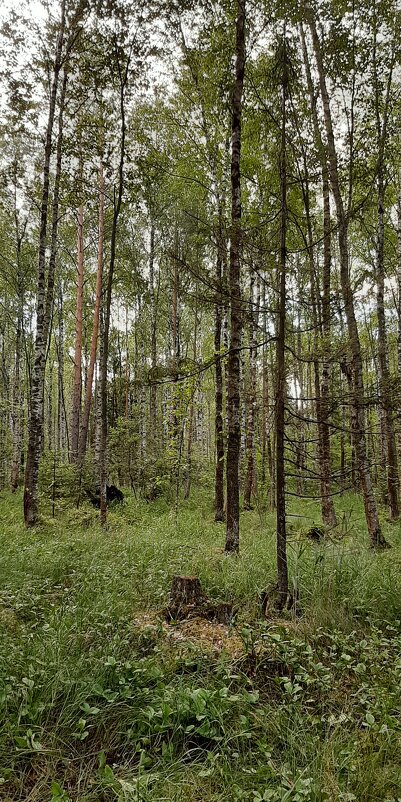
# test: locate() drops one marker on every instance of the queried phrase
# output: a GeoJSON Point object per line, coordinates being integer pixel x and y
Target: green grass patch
{"type": "Point", "coordinates": [101, 700]}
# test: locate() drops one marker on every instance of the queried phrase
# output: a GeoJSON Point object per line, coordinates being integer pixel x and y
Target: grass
{"type": "Point", "coordinates": [102, 700]}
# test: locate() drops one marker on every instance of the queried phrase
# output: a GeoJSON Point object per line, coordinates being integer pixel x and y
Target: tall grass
{"type": "Point", "coordinates": [101, 700]}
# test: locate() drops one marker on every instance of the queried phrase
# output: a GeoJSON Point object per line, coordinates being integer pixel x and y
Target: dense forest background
{"type": "Point", "coordinates": [216, 207]}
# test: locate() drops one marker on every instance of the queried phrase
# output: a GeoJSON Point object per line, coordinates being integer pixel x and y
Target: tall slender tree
{"type": "Point", "coordinates": [77, 380]}
{"type": "Point", "coordinates": [83, 436]}
{"type": "Point", "coordinates": [45, 279]}
{"type": "Point", "coordinates": [282, 567]}
{"type": "Point", "coordinates": [233, 370]}
{"type": "Point", "coordinates": [372, 519]}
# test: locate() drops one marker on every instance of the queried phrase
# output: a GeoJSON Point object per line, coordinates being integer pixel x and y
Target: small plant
{"type": "Point", "coordinates": [58, 794]}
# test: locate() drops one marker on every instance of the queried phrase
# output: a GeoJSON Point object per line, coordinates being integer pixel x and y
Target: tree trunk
{"type": "Point", "coordinates": [83, 437]}
{"type": "Point", "coordinates": [153, 343]}
{"type": "Point", "coordinates": [77, 380]}
{"type": "Point", "coordinates": [389, 445]}
{"type": "Point", "coordinates": [399, 306]}
{"type": "Point", "coordinates": [16, 417]}
{"type": "Point", "coordinates": [98, 399]}
{"type": "Point", "coordinates": [188, 469]}
{"type": "Point", "coordinates": [44, 299]}
{"type": "Point", "coordinates": [265, 390]}
{"type": "Point", "coordinates": [218, 419]}
{"type": "Point", "coordinates": [328, 511]}
{"type": "Point", "coordinates": [233, 371]}
{"type": "Point", "coordinates": [372, 519]}
{"type": "Point", "coordinates": [175, 442]}
{"type": "Point", "coordinates": [322, 386]}
{"type": "Point", "coordinates": [282, 567]}
{"type": "Point", "coordinates": [62, 430]}
{"type": "Point", "coordinates": [118, 196]}
{"type": "Point", "coordinates": [50, 405]}
{"type": "Point", "coordinates": [251, 394]}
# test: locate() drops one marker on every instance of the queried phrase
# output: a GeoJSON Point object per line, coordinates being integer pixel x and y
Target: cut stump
{"type": "Point", "coordinates": [185, 590]}
{"type": "Point", "coordinates": [219, 612]}
{"type": "Point", "coordinates": [187, 600]}
{"type": "Point", "coordinates": [186, 595]}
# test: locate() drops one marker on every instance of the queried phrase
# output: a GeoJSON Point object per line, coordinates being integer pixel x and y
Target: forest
{"type": "Point", "coordinates": [200, 401]}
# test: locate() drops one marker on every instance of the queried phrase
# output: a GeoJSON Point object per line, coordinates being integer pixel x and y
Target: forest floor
{"type": "Point", "coordinates": [102, 699]}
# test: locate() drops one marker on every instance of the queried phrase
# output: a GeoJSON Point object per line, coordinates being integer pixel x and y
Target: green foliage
{"type": "Point", "coordinates": [62, 484]}
{"type": "Point", "coordinates": [106, 702]}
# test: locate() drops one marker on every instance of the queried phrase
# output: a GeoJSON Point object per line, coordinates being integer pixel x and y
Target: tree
{"type": "Point", "coordinates": [372, 519]}
{"type": "Point", "coordinates": [233, 371]}
{"type": "Point", "coordinates": [282, 568]}
{"type": "Point", "coordinates": [385, 385]}
{"type": "Point", "coordinates": [77, 383]}
{"type": "Point", "coordinates": [45, 284]}
{"type": "Point", "coordinates": [123, 66]}
{"type": "Point", "coordinates": [83, 435]}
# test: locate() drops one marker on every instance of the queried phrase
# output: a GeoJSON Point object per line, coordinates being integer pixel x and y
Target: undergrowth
{"type": "Point", "coordinates": [102, 700]}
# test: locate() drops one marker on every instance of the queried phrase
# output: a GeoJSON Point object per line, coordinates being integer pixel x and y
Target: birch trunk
{"type": "Point", "coordinates": [77, 380]}
{"type": "Point", "coordinates": [83, 436]}
{"type": "Point", "coordinates": [44, 296]}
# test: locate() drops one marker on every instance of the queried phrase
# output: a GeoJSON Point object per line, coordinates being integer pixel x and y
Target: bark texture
{"type": "Point", "coordinates": [386, 401]}
{"type": "Point", "coordinates": [45, 287]}
{"type": "Point", "coordinates": [282, 568]}
{"type": "Point", "coordinates": [250, 474]}
{"type": "Point", "coordinates": [233, 370]}
{"type": "Point", "coordinates": [218, 420]}
{"type": "Point", "coordinates": [322, 383]}
{"type": "Point", "coordinates": [77, 380]}
{"type": "Point", "coordinates": [118, 197]}
{"type": "Point", "coordinates": [83, 435]}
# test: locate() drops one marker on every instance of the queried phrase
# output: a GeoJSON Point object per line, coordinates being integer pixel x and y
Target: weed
{"type": "Point", "coordinates": [101, 700]}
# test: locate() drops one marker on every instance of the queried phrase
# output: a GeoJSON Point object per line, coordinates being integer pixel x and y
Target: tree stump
{"type": "Point", "coordinates": [186, 594]}
{"type": "Point", "coordinates": [187, 600]}
{"type": "Point", "coordinates": [219, 612]}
